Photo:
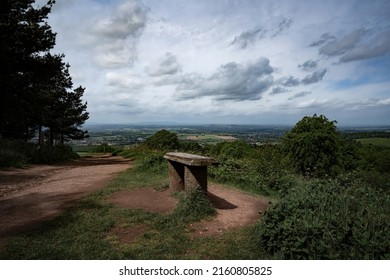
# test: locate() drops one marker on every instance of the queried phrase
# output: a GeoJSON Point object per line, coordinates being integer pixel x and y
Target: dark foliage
{"type": "Point", "coordinates": [17, 153]}
{"type": "Point", "coordinates": [341, 219]}
{"type": "Point", "coordinates": [36, 87]}
{"type": "Point", "coordinates": [314, 146]}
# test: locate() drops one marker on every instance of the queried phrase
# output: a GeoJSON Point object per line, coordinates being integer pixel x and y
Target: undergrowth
{"type": "Point", "coordinates": [337, 219]}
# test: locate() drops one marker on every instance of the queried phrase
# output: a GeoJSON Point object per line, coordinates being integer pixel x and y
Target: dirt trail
{"type": "Point", "coordinates": [39, 193]}
{"type": "Point", "coordinates": [235, 209]}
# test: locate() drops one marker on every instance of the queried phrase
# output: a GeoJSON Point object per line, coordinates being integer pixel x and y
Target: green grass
{"type": "Point", "coordinates": [205, 138]}
{"type": "Point", "coordinates": [382, 142]}
{"type": "Point", "coordinates": [86, 230]}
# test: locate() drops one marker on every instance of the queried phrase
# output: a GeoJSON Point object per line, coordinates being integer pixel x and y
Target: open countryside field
{"type": "Point", "coordinates": [382, 142]}
{"type": "Point", "coordinates": [207, 138]}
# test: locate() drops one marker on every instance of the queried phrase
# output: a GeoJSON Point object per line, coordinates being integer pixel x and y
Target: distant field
{"type": "Point", "coordinates": [207, 138]}
{"type": "Point", "coordinates": [383, 142]}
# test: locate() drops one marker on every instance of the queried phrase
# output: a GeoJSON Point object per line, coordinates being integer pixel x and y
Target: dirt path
{"type": "Point", "coordinates": [39, 193]}
{"type": "Point", "coordinates": [235, 209]}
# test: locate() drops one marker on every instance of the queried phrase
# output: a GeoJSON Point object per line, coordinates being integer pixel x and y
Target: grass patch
{"type": "Point", "coordinates": [381, 142]}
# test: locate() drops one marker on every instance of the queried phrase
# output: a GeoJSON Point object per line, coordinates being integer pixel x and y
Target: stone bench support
{"type": "Point", "coordinates": [188, 172]}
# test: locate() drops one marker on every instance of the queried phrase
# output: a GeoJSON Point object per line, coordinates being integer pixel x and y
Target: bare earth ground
{"type": "Point", "coordinates": [39, 193]}
{"type": "Point", "coordinates": [234, 209]}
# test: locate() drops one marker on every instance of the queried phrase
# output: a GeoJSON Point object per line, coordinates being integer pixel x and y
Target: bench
{"type": "Point", "coordinates": [188, 172]}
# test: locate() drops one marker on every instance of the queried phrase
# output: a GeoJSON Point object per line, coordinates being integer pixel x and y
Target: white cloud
{"type": "Point", "coordinates": [384, 102]}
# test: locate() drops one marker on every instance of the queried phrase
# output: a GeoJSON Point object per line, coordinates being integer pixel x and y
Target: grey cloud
{"type": "Point", "coordinates": [300, 94]}
{"type": "Point", "coordinates": [326, 37]}
{"type": "Point", "coordinates": [129, 19]}
{"type": "Point", "coordinates": [339, 47]}
{"type": "Point", "coordinates": [251, 36]}
{"type": "Point", "coordinates": [117, 37]}
{"type": "Point", "coordinates": [277, 90]}
{"type": "Point", "coordinates": [124, 82]}
{"type": "Point", "coordinates": [284, 24]}
{"type": "Point", "coordinates": [289, 81]}
{"type": "Point", "coordinates": [166, 66]}
{"type": "Point", "coordinates": [309, 65]}
{"type": "Point", "coordinates": [378, 46]}
{"type": "Point", "coordinates": [248, 37]}
{"type": "Point", "coordinates": [232, 81]}
{"type": "Point", "coordinates": [315, 77]}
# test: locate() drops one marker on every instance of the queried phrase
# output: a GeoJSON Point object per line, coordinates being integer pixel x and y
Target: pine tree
{"type": "Point", "coordinates": [36, 86]}
{"type": "Point", "coordinates": [24, 36]}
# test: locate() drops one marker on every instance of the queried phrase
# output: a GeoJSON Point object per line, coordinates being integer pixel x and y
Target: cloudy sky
{"type": "Point", "coordinates": [226, 61]}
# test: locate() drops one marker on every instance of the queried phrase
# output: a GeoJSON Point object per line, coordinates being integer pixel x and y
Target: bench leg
{"type": "Point", "coordinates": [195, 177]}
{"type": "Point", "coordinates": [176, 175]}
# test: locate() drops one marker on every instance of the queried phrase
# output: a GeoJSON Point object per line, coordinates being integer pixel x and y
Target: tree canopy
{"type": "Point", "coordinates": [163, 140]}
{"type": "Point", "coordinates": [36, 87]}
{"type": "Point", "coordinates": [314, 146]}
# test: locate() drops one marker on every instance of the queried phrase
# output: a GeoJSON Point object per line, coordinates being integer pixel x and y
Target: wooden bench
{"type": "Point", "coordinates": [188, 172]}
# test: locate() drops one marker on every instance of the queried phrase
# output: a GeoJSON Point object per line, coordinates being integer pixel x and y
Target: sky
{"type": "Point", "coordinates": [228, 62]}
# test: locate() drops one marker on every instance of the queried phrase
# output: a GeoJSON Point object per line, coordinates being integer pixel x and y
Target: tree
{"type": "Point", "coordinates": [24, 36]}
{"type": "Point", "coordinates": [74, 116]}
{"type": "Point", "coordinates": [163, 140]}
{"type": "Point", "coordinates": [61, 108]}
{"type": "Point", "coordinates": [314, 146]}
{"type": "Point", "coordinates": [36, 87]}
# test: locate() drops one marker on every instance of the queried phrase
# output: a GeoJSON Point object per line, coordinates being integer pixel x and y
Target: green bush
{"type": "Point", "coordinates": [314, 146]}
{"type": "Point", "coordinates": [103, 148]}
{"type": "Point", "coordinates": [163, 140]}
{"type": "Point", "coordinates": [375, 179]}
{"type": "Point", "coordinates": [231, 150]}
{"type": "Point", "coordinates": [333, 220]}
{"type": "Point", "coordinates": [192, 207]}
{"type": "Point", "coordinates": [48, 155]}
{"type": "Point", "coordinates": [152, 161]}
{"type": "Point", "coordinates": [12, 158]}
{"type": "Point", "coordinates": [19, 153]}
{"type": "Point", "coordinates": [190, 147]}
{"type": "Point", "coordinates": [261, 169]}
{"type": "Point", "coordinates": [375, 158]}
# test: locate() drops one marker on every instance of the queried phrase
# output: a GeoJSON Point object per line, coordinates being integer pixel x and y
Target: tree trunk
{"type": "Point", "coordinates": [51, 138]}
{"type": "Point", "coordinates": [41, 136]}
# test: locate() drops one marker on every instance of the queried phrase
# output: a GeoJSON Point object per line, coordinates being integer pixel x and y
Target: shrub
{"type": "Point", "coordinates": [262, 169]}
{"type": "Point", "coordinates": [163, 140]}
{"type": "Point", "coordinates": [11, 158]}
{"type": "Point", "coordinates": [191, 147]}
{"type": "Point", "coordinates": [192, 207]}
{"type": "Point", "coordinates": [232, 150]}
{"type": "Point", "coordinates": [332, 220]}
{"type": "Point", "coordinates": [375, 179]}
{"type": "Point", "coordinates": [152, 161]}
{"type": "Point", "coordinates": [314, 146]}
{"type": "Point", "coordinates": [19, 153]}
{"type": "Point", "coordinates": [42, 154]}
{"type": "Point", "coordinates": [103, 148]}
